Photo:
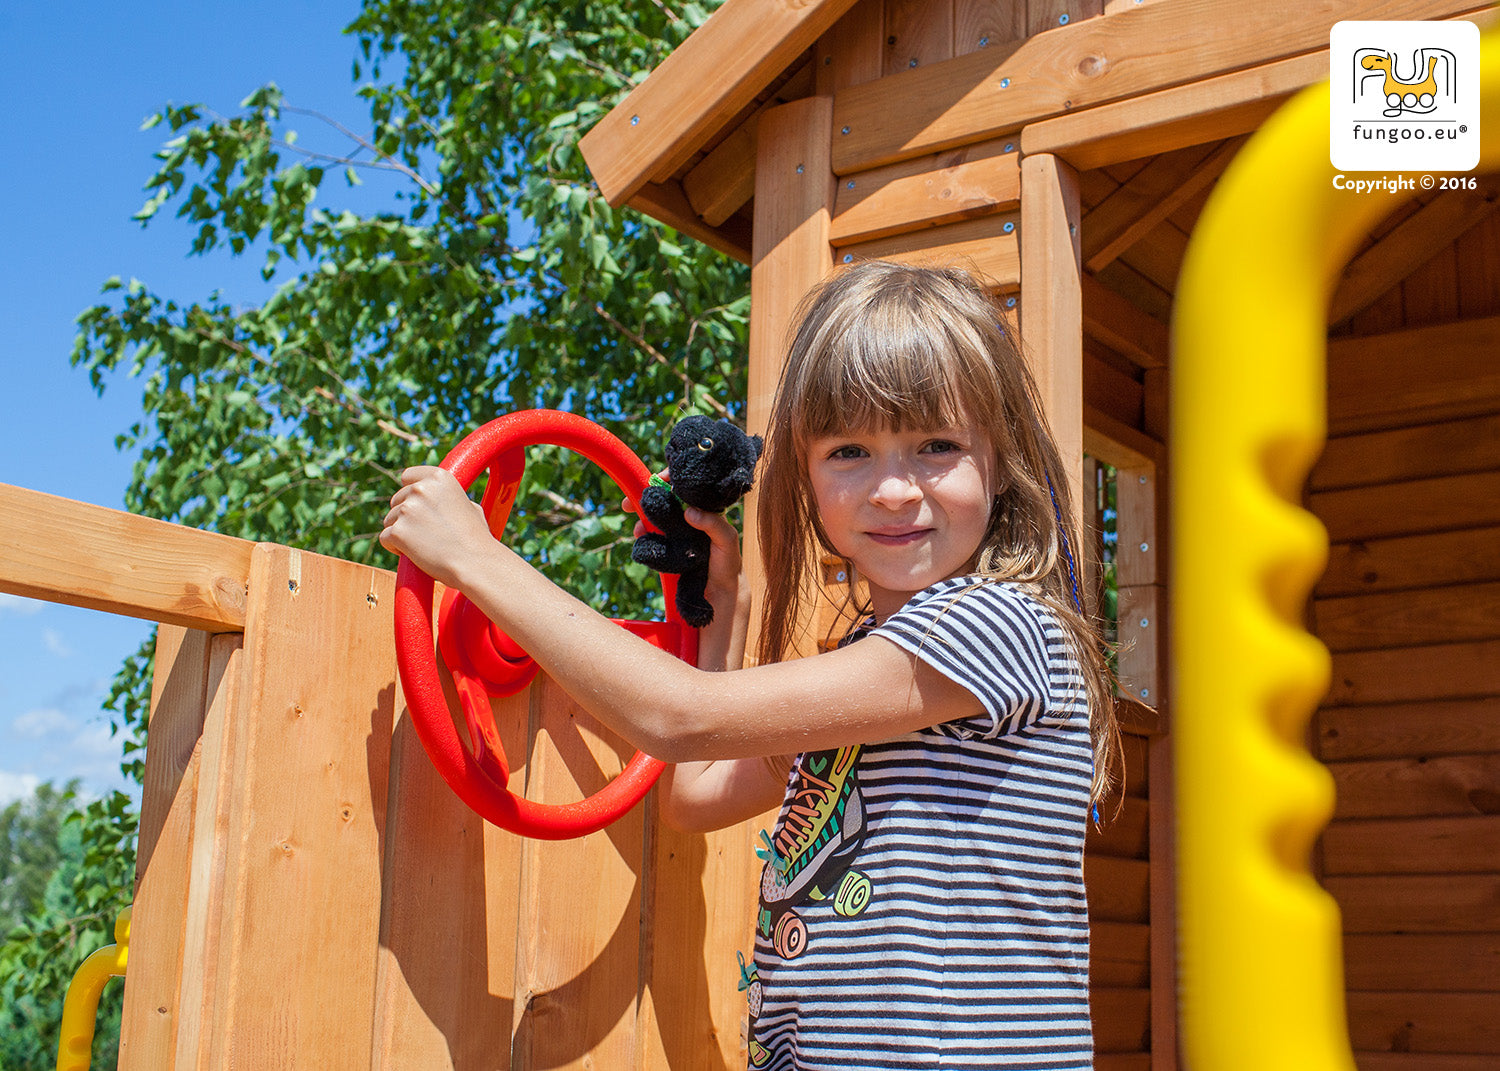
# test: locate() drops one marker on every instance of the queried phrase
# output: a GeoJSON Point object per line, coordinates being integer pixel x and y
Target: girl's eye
{"type": "Point", "coordinates": [846, 453]}
{"type": "Point", "coordinates": [942, 446]}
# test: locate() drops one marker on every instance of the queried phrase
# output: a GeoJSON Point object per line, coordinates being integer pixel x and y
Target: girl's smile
{"type": "Point", "coordinates": [908, 508]}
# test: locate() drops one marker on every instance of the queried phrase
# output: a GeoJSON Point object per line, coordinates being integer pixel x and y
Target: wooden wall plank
{"type": "Point", "coordinates": [1122, 1019]}
{"type": "Point", "coordinates": [1478, 254]}
{"type": "Point", "coordinates": [1137, 765]}
{"type": "Point", "coordinates": [1122, 1061]}
{"type": "Point", "coordinates": [1433, 228]}
{"type": "Point", "coordinates": [1422, 962]}
{"type": "Point", "coordinates": [1429, 295]}
{"type": "Point", "coordinates": [302, 852]}
{"type": "Point", "coordinates": [1425, 1022]}
{"type": "Point", "coordinates": [1410, 618]}
{"type": "Point", "coordinates": [1117, 889]}
{"type": "Point", "coordinates": [451, 910]}
{"type": "Point", "coordinates": [1418, 903]}
{"type": "Point", "coordinates": [179, 692]}
{"type": "Point", "coordinates": [1169, 119]}
{"type": "Point", "coordinates": [1126, 835]}
{"type": "Point", "coordinates": [1424, 1061]}
{"type": "Point", "coordinates": [1445, 502]}
{"type": "Point", "coordinates": [1109, 389]}
{"type": "Point", "coordinates": [704, 81]}
{"type": "Point", "coordinates": [960, 184]}
{"type": "Point", "coordinates": [1119, 955]}
{"type": "Point", "coordinates": [917, 33]}
{"type": "Point", "coordinates": [1450, 846]}
{"type": "Point", "coordinates": [105, 559]}
{"type": "Point", "coordinates": [981, 24]}
{"type": "Point", "coordinates": [1454, 727]}
{"type": "Point", "coordinates": [1375, 383]}
{"type": "Point", "coordinates": [1419, 786]}
{"type": "Point", "coordinates": [704, 891]}
{"type": "Point", "coordinates": [794, 199]}
{"type": "Point", "coordinates": [1441, 449]}
{"type": "Point", "coordinates": [988, 247]}
{"type": "Point", "coordinates": [1462, 556]}
{"type": "Point", "coordinates": [853, 51]}
{"type": "Point", "coordinates": [1092, 61]}
{"type": "Point", "coordinates": [1407, 674]}
{"type": "Point", "coordinates": [580, 936]}
{"type": "Point", "coordinates": [209, 898]}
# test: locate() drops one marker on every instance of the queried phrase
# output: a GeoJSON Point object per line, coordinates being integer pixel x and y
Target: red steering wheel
{"type": "Point", "coordinates": [484, 661]}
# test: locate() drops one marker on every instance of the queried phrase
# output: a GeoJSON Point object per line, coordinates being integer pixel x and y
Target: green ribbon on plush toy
{"type": "Point", "coordinates": [658, 480]}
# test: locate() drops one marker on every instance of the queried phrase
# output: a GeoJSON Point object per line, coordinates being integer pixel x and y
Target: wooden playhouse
{"type": "Point", "coordinates": [310, 894]}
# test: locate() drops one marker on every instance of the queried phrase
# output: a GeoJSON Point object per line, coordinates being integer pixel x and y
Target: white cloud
{"type": "Point", "coordinates": [42, 721]}
{"type": "Point", "coordinates": [16, 786]}
{"type": "Point", "coordinates": [54, 642]}
{"type": "Point", "coordinates": [14, 604]}
{"type": "Point", "coordinates": [97, 740]}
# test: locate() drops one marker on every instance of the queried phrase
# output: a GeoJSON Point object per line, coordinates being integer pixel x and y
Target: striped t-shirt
{"type": "Point", "coordinates": [922, 904]}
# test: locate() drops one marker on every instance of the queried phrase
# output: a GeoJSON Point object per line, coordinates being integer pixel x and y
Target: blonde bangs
{"type": "Point", "coordinates": [893, 358]}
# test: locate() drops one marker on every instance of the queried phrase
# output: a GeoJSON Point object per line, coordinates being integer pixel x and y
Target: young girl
{"type": "Point", "coordinates": [922, 902]}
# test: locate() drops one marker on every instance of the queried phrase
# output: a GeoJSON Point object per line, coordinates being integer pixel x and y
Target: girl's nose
{"type": "Point", "coordinates": [895, 487]}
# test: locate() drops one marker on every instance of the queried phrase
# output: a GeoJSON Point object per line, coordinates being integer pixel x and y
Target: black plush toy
{"type": "Point", "coordinates": [712, 464]}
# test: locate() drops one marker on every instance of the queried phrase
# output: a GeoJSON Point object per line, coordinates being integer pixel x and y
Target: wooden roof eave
{"type": "Point", "coordinates": [705, 81]}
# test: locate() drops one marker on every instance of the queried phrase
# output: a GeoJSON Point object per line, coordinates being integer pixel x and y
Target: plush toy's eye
{"type": "Point", "coordinates": [705, 444]}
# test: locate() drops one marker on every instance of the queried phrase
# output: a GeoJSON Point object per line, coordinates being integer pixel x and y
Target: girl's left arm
{"type": "Point", "coordinates": [867, 691]}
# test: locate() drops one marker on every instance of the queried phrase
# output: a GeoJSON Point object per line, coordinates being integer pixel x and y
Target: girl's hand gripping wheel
{"type": "Point", "coordinates": [485, 662]}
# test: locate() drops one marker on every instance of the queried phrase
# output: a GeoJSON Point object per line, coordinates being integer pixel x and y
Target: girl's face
{"type": "Point", "coordinates": [908, 508]}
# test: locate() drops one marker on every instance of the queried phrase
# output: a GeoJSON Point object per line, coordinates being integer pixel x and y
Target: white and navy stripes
{"type": "Point", "coordinates": [967, 946]}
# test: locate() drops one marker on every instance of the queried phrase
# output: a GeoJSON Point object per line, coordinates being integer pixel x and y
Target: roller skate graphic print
{"type": "Point", "coordinates": [810, 855]}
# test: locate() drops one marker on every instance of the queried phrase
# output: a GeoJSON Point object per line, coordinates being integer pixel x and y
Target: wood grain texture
{"type": "Point", "coordinates": [1093, 61]}
{"type": "Point", "coordinates": [103, 559]}
{"type": "Point", "coordinates": [700, 85]}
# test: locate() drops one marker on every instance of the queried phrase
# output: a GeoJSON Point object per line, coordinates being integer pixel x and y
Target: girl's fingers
{"type": "Point", "coordinates": [720, 532]}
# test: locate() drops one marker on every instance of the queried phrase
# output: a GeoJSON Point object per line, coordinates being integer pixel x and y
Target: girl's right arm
{"type": "Point", "coordinates": [700, 796]}
{"type": "Point", "coordinates": [871, 690]}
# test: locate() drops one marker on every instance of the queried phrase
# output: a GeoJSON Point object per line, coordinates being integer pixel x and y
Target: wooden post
{"type": "Point", "coordinates": [794, 192]}
{"type": "Point", "coordinates": [1052, 305]}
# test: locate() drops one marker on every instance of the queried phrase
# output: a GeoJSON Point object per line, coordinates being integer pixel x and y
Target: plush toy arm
{"type": "Point", "coordinates": [659, 506]}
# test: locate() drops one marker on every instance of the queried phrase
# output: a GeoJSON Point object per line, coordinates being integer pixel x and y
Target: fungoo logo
{"type": "Point", "coordinates": [1404, 95]}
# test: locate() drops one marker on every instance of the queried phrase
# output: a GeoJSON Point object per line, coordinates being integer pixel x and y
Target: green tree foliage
{"type": "Point", "coordinates": [495, 278]}
{"type": "Point", "coordinates": [49, 927]}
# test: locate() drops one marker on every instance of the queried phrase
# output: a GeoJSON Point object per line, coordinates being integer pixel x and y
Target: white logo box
{"type": "Point", "coordinates": [1404, 96]}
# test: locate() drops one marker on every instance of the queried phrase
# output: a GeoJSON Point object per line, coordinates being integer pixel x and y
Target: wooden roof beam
{"type": "Point", "coordinates": [105, 559]}
{"type": "Point", "coordinates": [715, 73]}
{"type": "Point", "coordinates": [666, 202]}
{"type": "Point", "coordinates": [1122, 327]}
{"type": "Point", "coordinates": [723, 182]}
{"type": "Point", "coordinates": [984, 94]}
{"type": "Point", "coordinates": [1136, 208]}
{"type": "Point", "coordinates": [1432, 228]}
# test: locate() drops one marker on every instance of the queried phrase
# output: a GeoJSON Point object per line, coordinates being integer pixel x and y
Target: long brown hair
{"type": "Point", "coordinates": [888, 345]}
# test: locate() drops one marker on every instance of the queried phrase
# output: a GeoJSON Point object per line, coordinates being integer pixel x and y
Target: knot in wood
{"type": "Point", "coordinates": [1092, 66]}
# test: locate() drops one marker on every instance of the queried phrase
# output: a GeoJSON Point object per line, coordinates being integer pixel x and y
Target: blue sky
{"type": "Point", "coordinates": [78, 79]}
